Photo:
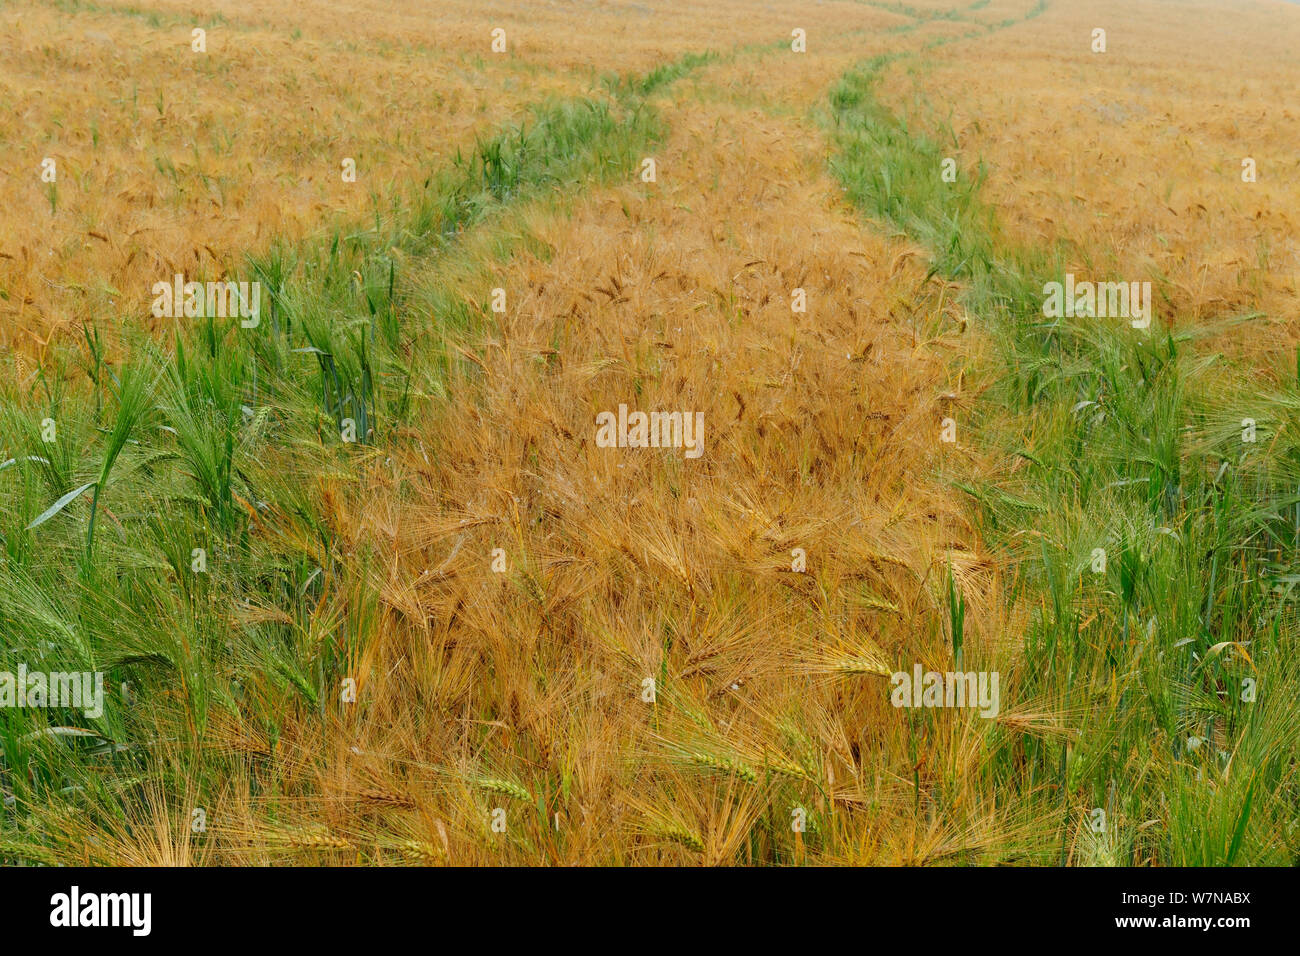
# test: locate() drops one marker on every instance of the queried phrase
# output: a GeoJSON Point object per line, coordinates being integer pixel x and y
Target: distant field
{"type": "Point", "coordinates": [366, 580]}
{"type": "Point", "coordinates": [169, 160]}
{"type": "Point", "coordinates": [1171, 203]}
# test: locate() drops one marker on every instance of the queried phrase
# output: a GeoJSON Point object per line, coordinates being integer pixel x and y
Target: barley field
{"type": "Point", "coordinates": [612, 433]}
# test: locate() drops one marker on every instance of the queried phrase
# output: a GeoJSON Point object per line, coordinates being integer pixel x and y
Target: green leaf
{"type": "Point", "coordinates": [62, 503]}
{"type": "Point", "coordinates": [1242, 819]}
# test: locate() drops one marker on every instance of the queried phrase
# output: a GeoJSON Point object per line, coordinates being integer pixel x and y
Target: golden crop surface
{"type": "Point", "coordinates": [167, 160]}
{"type": "Point", "coordinates": [552, 652]}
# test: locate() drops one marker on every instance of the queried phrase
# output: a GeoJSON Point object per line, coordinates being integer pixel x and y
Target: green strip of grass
{"type": "Point", "coordinates": [1128, 442]}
